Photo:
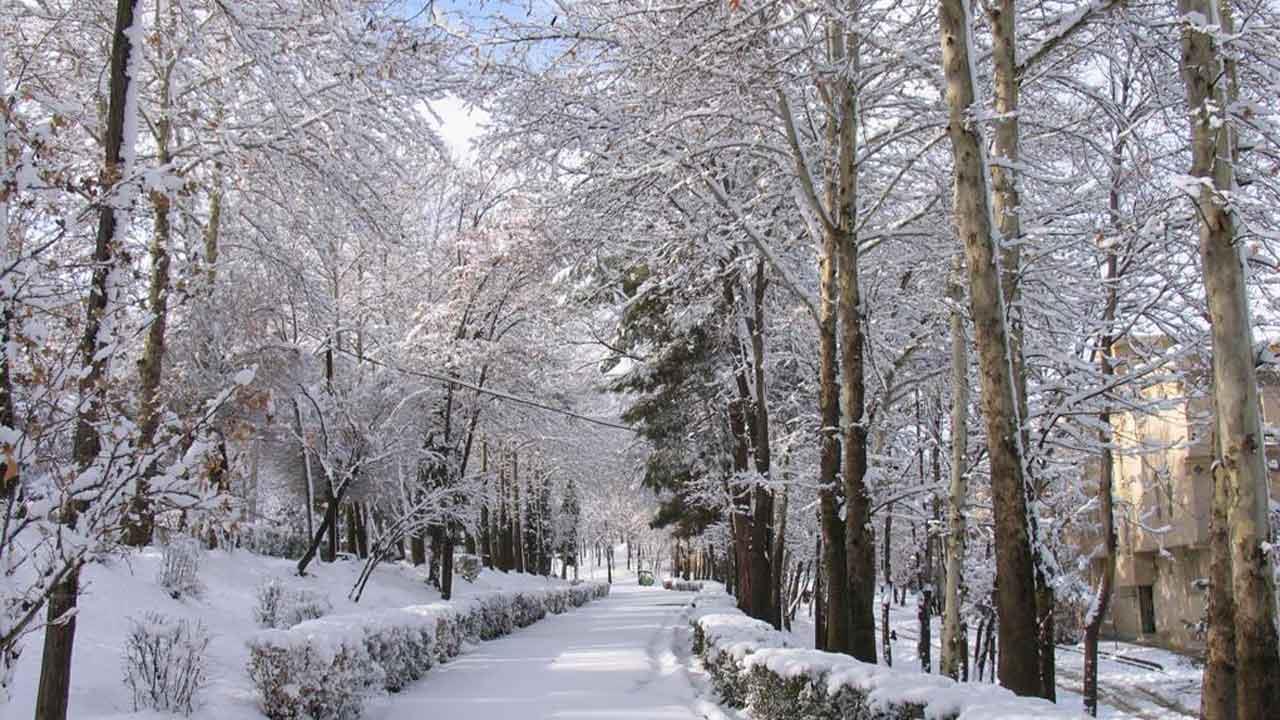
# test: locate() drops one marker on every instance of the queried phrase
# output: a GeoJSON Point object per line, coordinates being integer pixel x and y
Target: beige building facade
{"type": "Point", "coordinates": [1163, 493]}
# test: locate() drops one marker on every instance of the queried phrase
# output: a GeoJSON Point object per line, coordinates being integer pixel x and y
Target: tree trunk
{"type": "Point", "coordinates": [1097, 612]}
{"type": "Point", "coordinates": [306, 467]}
{"type": "Point", "coordinates": [517, 517]}
{"type": "Point", "coordinates": [332, 505]}
{"type": "Point", "coordinates": [446, 564]}
{"type": "Point", "coordinates": [763, 578]}
{"type": "Point", "coordinates": [141, 522]}
{"type": "Point", "coordinates": [1239, 423]}
{"type": "Point", "coordinates": [328, 528]}
{"type": "Point", "coordinates": [958, 490]}
{"type": "Point", "coordinates": [418, 549]}
{"type": "Point", "coordinates": [836, 608]}
{"type": "Point", "coordinates": [819, 602]}
{"type": "Point", "coordinates": [486, 546]}
{"type": "Point", "coordinates": [924, 616]}
{"type": "Point", "coordinates": [1019, 655]}
{"type": "Point", "coordinates": [1218, 694]}
{"type": "Point", "coordinates": [860, 569]}
{"type": "Point", "coordinates": [59, 636]}
{"type": "Point", "coordinates": [778, 558]}
{"type": "Point", "coordinates": [1006, 203]}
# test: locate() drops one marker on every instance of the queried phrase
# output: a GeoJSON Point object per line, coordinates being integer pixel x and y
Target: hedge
{"type": "Point", "coordinates": [751, 666]}
{"type": "Point", "coordinates": [324, 669]}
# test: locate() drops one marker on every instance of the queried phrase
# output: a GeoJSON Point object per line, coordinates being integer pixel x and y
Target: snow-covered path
{"type": "Point", "coordinates": [621, 657]}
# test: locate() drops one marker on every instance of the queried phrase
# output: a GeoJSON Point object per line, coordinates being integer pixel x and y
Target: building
{"type": "Point", "coordinates": [1163, 499]}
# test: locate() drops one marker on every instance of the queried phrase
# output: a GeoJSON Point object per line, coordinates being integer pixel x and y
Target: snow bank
{"type": "Point", "coordinates": [322, 669]}
{"type": "Point", "coordinates": [751, 665]}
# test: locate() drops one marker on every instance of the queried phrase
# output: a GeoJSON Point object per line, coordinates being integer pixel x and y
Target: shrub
{"type": "Point", "coordinates": [322, 669]}
{"type": "Point", "coordinates": [282, 607]}
{"type": "Point", "coordinates": [529, 608]}
{"type": "Point", "coordinates": [299, 678]}
{"type": "Point", "coordinates": [468, 566]}
{"type": "Point", "coordinates": [164, 662]}
{"type": "Point", "coordinates": [180, 569]}
{"type": "Point", "coordinates": [274, 541]}
{"type": "Point", "coordinates": [751, 666]}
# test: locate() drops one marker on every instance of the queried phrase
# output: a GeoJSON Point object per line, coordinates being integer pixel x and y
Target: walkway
{"type": "Point", "coordinates": [622, 657]}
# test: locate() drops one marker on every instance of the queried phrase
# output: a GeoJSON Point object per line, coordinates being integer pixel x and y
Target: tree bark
{"type": "Point", "coordinates": [517, 517]}
{"type": "Point", "coordinates": [836, 608]}
{"type": "Point", "coordinates": [763, 579]}
{"type": "Point", "coordinates": [1019, 656]}
{"type": "Point", "coordinates": [958, 490]}
{"type": "Point", "coordinates": [59, 635]}
{"type": "Point", "coordinates": [860, 569]}
{"type": "Point", "coordinates": [1218, 693]}
{"type": "Point", "coordinates": [778, 555]}
{"type": "Point", "coordinates": [1097, 612]}
{"type": "Point", "coordinates": [1239, 422]}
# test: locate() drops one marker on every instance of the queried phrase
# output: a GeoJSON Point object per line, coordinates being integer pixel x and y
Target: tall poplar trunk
{"type": "Point", "coordinates": [777, 554]}
{"type": "Point", "coordinates": [763, 579]}
{"type": "Point", "coordinates": [953, 651]}
{"type": "Point", "coordinates": [517, 517]}
{"type": "Point", "coordinates": [141, 522]}
{"type": "Point", "coordinates": [1239, 422]}
{"type": "Point", "coordinates": [1005, 207]}
{"type": "Point", "coordinates": [308, 475]}
{"type": "Point", "coordinates": [887, 591]}
{"type": "Point", "coordinates": [836, 608]}
{"type": "Point", "coordinates": [1102, 597]}
{"type": "Point", "coordinates": [486, 544]}
{"type": "Point", "coordinates": [860, 568]}
{"type": "Point", "coordinates": [1218, 691]}
{"type": "Point", "coordinates": [1019, 651]}
{"type": "Point", "coordinates": [60, 630]}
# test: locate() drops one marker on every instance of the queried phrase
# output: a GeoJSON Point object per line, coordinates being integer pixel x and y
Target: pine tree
{"type": "Point", "coordinates": [570, 519]}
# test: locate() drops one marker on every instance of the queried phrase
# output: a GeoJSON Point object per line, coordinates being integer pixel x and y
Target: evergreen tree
{"type": "Point", "coordinates": [570, 518]}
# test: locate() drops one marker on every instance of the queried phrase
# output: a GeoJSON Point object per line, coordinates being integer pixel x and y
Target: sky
{"type": "Point", "coordinates": [459, 124]}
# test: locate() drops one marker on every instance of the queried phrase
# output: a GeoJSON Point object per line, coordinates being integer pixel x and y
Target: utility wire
{"type": "Point", "coordinates": [492, 393]}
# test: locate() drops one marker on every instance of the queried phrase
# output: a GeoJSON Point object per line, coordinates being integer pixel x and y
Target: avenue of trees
{"type": "Point", "coordinates": [857, 290]}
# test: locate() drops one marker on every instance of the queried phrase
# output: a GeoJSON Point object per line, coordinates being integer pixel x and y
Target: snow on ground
{"type": "Point", "coordinates": [1126, 692]}
{"type": "Point", "coordinates": [626, 656]}
{"type": "Point", "coordinates": [127, 588]}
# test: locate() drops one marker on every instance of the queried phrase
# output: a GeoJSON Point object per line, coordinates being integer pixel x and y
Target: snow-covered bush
{"type": "Point", "coordinates": [468, 566]}
{"type": "Point", "coordinates": [557, 603]}
{"type": "Point", "coordinates": [304, 677]}
{"type": "Point", "coordinates": [529, 608]}
{"type": "Point", "coordinates": [264, 539]}
{"type": "Point", "coordinates": [723, 640]}
{"type": "Point", "coordinates": [180, 568]}
{"type": "Point", "coordinates": [164, 662]}
{"type": "Point", "coordinates": [750, 666]}
{"type": "Point", "coordinates": [404, 647]}
{"type": "Point", "coordinates": [280, 606]}
{"type": "Point", "coordinates": [322, 669]}
{"type": "Point", "coordinates": [683, 586]}
{"type": "Point", "coordinates": [493, 617]}
{"type": "Point", "coordinates": [450, 634]}
{"type": "Point", "coordinates": [777, 696]}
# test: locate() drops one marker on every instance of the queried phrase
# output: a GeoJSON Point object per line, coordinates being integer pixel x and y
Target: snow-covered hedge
{"type": "Point", "coordinates": [751, 665]}
{"type": "Point", "coordinates": [322, 669]}
{"type": "Point", "coordinates": [281, 607]}
{"type": "Point", "coordinates": [681, 585]}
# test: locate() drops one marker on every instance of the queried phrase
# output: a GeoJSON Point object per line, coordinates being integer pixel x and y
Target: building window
{"type": "Point", "coordinates": [1147, 609]}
